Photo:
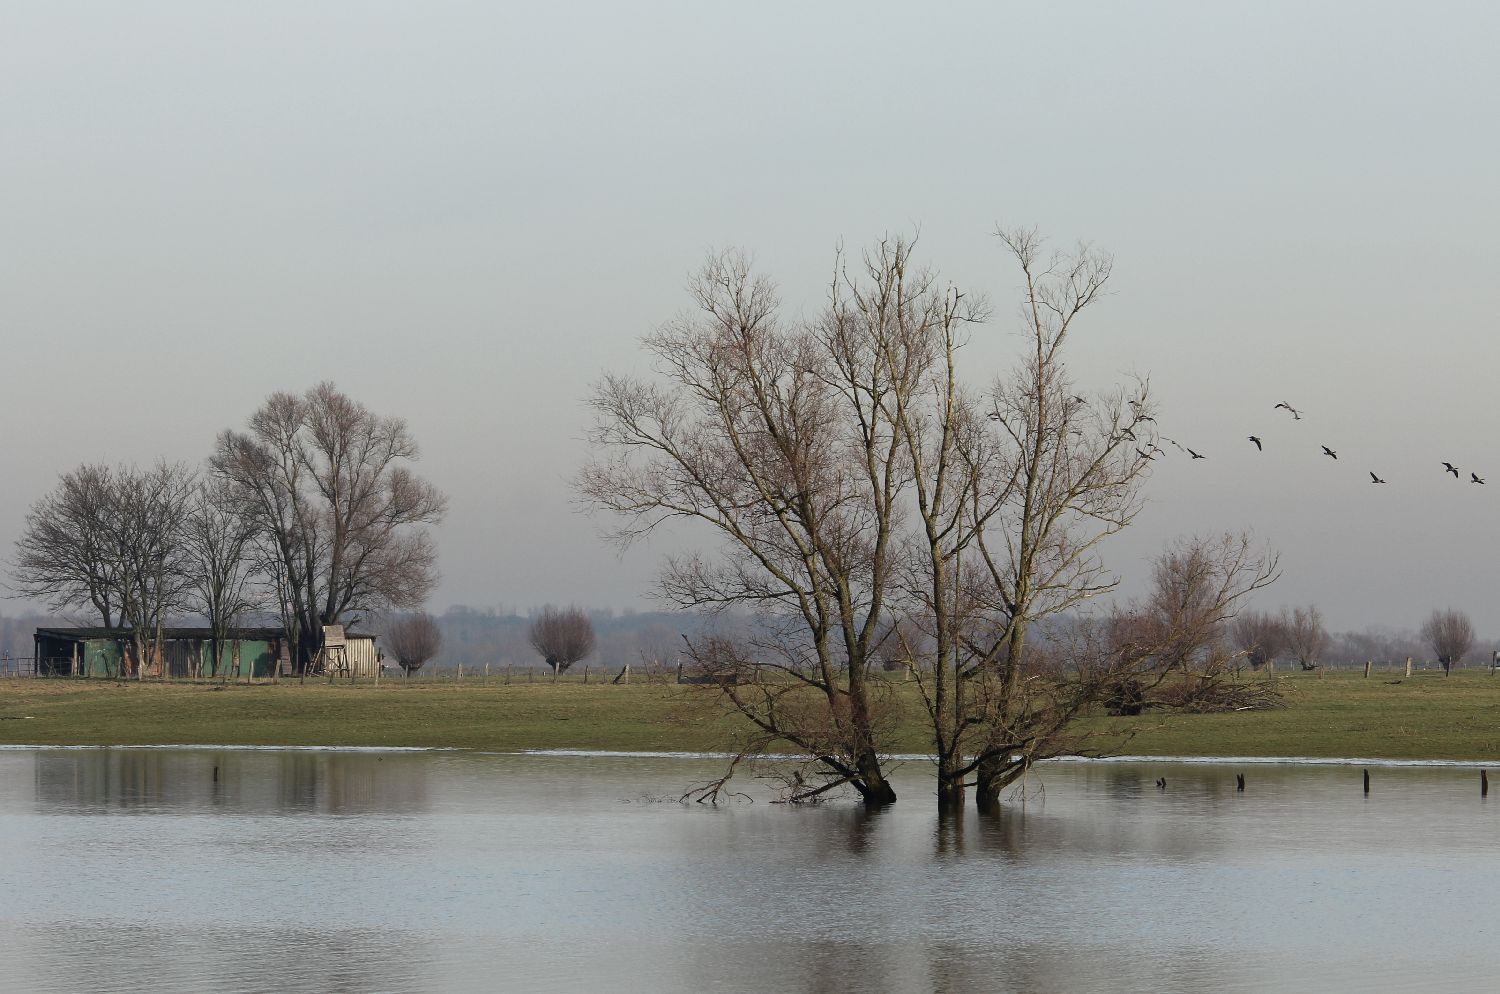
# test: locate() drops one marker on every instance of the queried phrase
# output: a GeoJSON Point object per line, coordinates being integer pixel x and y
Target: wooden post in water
{"type": "Point", "coordinates": [1239, 782]}
{"type": "Point", "coordinates": [1367, 781]}
{"type": "Point", "coordinates": [1484, 783]}
{"type": "Point", "coordinates": [1367, 669]}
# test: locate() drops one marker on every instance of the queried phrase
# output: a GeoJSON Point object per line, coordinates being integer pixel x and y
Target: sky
{"type": "Point", "coordinates": [463, 213]}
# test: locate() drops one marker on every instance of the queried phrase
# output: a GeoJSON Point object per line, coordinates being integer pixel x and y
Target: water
{"type": "Point", "coordinates": [129, 870]}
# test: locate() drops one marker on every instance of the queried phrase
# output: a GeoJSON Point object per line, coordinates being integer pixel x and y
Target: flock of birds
{"type": "Point", "coordinates": [1152, 450]}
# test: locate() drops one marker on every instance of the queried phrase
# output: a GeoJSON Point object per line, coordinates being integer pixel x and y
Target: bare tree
{"type": "Point", "coordinates": [1451, 635]}
{"type": "Point", "coordinates": [1175, 648]}
{"type": "Point", "coordinates": [1064, 474]}
{"type": "Point", "coordinates": [111, 539]}
{"type": "Point", "coordinates": [1306, 638]}
{"type": "Point", "coordinates": [785, 439]}
{"type": "Point", "coordinates": [224, 576]}
{"type": "Point", "coordinates": [561, 636]}
{"type": "Point", "coordinates": [340, 517]}
{"type": "Point", "coordinates": [876, 511]}
{"type": "Point", "coordinates": [414, 639]}
{"type": "Point", "coordinates": [153, 506]}
{"type": "Point", "coordinates": [1261, 637]}
{"type": "Point", "coordinates": [66, 555]}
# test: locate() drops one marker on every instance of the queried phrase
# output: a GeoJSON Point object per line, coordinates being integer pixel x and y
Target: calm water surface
{"type": "Point", "coordinates": [136, 870]}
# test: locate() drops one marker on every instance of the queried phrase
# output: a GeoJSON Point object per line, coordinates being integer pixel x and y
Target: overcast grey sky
{"type": "Point", "coordinates": [463, 212]}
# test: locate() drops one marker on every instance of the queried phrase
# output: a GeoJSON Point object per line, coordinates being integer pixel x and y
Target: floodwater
{"type": "Point", "coordinates": [230, 870]}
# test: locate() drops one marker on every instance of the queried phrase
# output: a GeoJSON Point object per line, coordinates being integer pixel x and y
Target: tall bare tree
{"type": "Point", "coordinates": [111, 539]}
{"type": "Point", "coordinates": [414, 639]}
{"type": "Point", "coordinates": [562, 637]}
{"type": "Point", "coordinates": [785, 440]}
{"type": "Point", "coordinates": [1306, 638]}
{"type": "Point", "coordinates": [1451, 635]}
{"type": "Point", "coordinates": [225, 575]}
{"type": "Point", "coordinates": [153, 566]}
{"type": "Point", "coordinates": [66, 555]}
{"type": "Point", "coordinates": [1067, 475]}
{"type": "Point", "coordinates": [340, 517]}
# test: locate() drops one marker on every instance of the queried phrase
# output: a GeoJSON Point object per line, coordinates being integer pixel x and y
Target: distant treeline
{"type": "Point", "coordinates": [475, 636]}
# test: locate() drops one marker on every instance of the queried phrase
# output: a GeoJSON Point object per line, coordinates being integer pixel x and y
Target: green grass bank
{"type": "Point", "coordinates": [1425, 717]}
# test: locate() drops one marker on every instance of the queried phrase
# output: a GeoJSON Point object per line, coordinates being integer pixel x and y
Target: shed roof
{"type": "Point", "coordinates": [83, 633]}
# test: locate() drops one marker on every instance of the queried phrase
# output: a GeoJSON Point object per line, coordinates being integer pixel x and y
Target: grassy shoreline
{"type": "Point", "coordinates": [1387, 717]}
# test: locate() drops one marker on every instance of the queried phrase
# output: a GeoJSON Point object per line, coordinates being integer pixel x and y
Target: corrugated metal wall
{"type": "Point", "coordinates": [362, 657]}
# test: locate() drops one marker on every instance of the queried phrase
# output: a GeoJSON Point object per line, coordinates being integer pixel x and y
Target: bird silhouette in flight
{"type": "Point", "coordinates": [1296, 414]}
{"type": "Point", "coordinates": [1375, 479]}
{"type": "Point", "coordinates": [1474, 478]}
{"type": "Point", "coordinates": [1258, 446]}
{"type": "Point", "coordinates": [1174, 441]}
{"type": "Point", "coordinates": [1448, 467]}
{"type": "Point", "coordinates": [1330, 453]}
{"type": "Point", "coordinates": [1195, 455]}
{"type": "Point", "coordinates": [1145, 455]}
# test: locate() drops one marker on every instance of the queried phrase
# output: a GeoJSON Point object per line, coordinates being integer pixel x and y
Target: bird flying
{"type": "Point", "coordinates": [1448, 467]}
{"type": "Point", "coordinates": [1375, 479]}
{"type": "Point", "coordinates": [1296, 414]}
{"type": "Point", "coordinates": [1474, 478]}
{"type": "Point", "coordinates": [1195, 455]}
{"type": "Point", "coordinates": [1144, 454]}
{"type": "Point", "coordinates": [1330, 453]}
{"type": "Point", "coordinates": [1257, 443]}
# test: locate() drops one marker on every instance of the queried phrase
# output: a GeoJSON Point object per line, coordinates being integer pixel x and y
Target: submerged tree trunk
{"type": "Point", "coordinates": [873, 787]}
{"type": "Point", "coordinates": [951, 790]}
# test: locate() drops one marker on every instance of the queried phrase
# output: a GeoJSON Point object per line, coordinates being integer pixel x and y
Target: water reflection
{"type": "Point", "coordinates": [272, 871]}
{"type": "Point", "coordinates": [109, 781]}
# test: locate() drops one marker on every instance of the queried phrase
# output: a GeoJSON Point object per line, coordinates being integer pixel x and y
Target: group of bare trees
{"type": "Point", "coordinates": [111, 541]}
{"type": "Point", "coordinates": [1298, 635]}
{"type": "Point", "coordinates": [311, 515]}
{"type": "Point", "coordinates": [875, 506]}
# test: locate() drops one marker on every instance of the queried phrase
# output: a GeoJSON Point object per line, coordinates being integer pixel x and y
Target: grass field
{"type": "Point", "coordinates": [1424, 717]}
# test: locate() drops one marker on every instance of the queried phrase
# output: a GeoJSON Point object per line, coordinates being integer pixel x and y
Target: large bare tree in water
{"type": "Point", "coordinates": [786, 439]}
{"type": "Point", "coordinates": [873, 504]}
{"type": "Point", "coordinates": [340, 517]}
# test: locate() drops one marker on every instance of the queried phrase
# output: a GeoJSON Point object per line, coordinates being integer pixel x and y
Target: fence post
{"type": "Point", "coordinates": [1367, 669]}
{"type": "Point", "coordinates": [1408, 667]}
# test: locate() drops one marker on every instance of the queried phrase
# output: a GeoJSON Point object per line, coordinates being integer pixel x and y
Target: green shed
{"type": "Point", "coordinates": [184, 652]}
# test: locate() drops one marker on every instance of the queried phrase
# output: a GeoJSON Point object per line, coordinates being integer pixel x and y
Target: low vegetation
{"type": "Point", "coordinates": [1427, 716]}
